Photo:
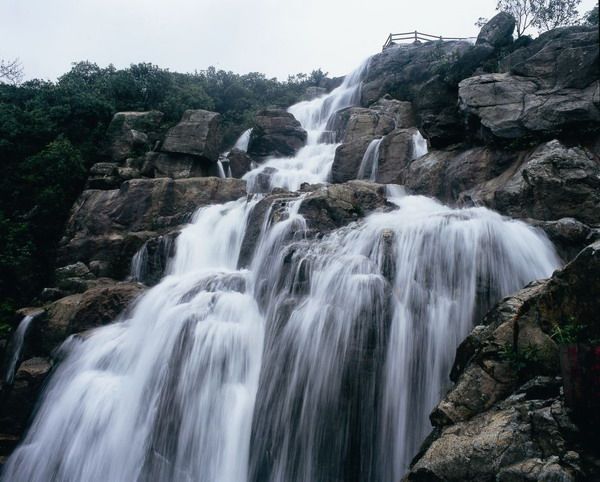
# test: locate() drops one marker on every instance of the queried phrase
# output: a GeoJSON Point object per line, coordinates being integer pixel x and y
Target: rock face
{"type": "Point", "coordinates": [275, 133]}
{"type": "Point", "coordinates": [426, 75]}
{"type": "Point", "coordinates": [355, 123]}
{"type": "Point", "coordinates": [486, 427]}
{"type": "Point", "coordinates": [239, 162]}
{"type": "Point", "coordinates": [197, 134]}
{"type": "Point", "coordinates": [498, 31]}
{"type": "Point", "coordinates": [548, 88]}
{"type": "Point", "coordinates": [132, 133]}
{"type": "Point", "coordinates": [395, 153]}
{"type": "Point", "coordinates": [19, 400]}
{"type": "Point", "coordinates": [80, 312]}
{"type": "Point", "coordinates": [108, 227]}
{"type": "Point", "coordinates": [554, 182]}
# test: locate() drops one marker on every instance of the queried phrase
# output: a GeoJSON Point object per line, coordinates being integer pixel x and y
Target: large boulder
{"type": "Point", "coordinates": [487, 428]}
{"type": "Point", "coordinates": [396, 151]}
{"type": "Point", "coordinates": [178, 166]}
{"type": "Point", "coordinates": [275, 133]}
{"type": "Point", "coordinates": [355, 123]}
{"type": "Point", "coordinates": [130, 134]}
{"type": "Point", "coordinates": [348, 158]}
{"type": "Point", "coordinates": [83, 311]}
{"type": "Point", "coordinates": [18, 400]}
{"type": "Point", "coordinates": [554, 182]}
{"type": "Point", "coordinates": [498, 32]}
{"type": "Point", "coordinates": [106, 228]}
{"type": "Point", "coordinates": [547, 88]}
{"type": "Point", "coordinates": [199, 133]}
{"type": "Point", "coordinates": [239, 162]}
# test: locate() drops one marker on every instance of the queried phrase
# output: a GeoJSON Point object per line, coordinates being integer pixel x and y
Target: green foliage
{"type": "Point", "coordinates": [542, 14]}
{"type": "Point", "coordinates": [521, 360]}
{"type": "Point", "coordinates": [52, 132]}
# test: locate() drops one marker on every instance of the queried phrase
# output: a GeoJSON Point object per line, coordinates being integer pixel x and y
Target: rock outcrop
{"type": "Point", "coordinates": [275, 133]}
{"type": "Point", "coordinates": [548, 88]}
{"type": "Point", "coordinates": [504, 419]}
{"type": "Point", "coordinates": [131, 134]}
{"type": "Point", "coordinates": [106, 228]}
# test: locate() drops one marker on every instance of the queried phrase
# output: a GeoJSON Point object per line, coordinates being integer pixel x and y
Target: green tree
{"type": "Point", "coordinates": [549, 14]}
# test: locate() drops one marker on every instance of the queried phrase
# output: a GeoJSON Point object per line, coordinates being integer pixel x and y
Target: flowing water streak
{"type": "Point", "coordinates": [221, 170]}
{"type": "Point", "coordinates": [168, 393]}
{"type": "Point", "coordinates": [15, 348]}
{"type": "Point", "coordinates": [362, 328]}
{"type": "Point", "coordinates": [312, 163]}
{"type": "Point", "coordinates": [370, 161]}
{"type": "Point", "coordinates": [243, 140]}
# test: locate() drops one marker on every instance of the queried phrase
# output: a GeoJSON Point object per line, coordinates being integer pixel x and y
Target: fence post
{"type": "Point", "coordinates": [416, 36]}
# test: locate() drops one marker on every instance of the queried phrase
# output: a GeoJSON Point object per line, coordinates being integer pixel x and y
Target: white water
{"type": "Point", "coordinates": [319, 363]}
{"type": "Point", "coordinates": [370, 161]}
{"type": "Point", "coordinates": [243, 140]}
{"type": "Point", "coordinates": [312, 163]}
{"type": "Point", "coordinates": [15, 348]}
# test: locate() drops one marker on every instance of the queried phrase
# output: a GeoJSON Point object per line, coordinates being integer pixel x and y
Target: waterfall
{"type": "Point", "coordinates": [370, 161]}
{"type": "Point", "coordinates": [419, 145]}
{"type": "Point", "coordinates": [221, 170]}
{"type": "Point", "coordinates": [15, 348]}
{"type": "Point", "coordinates": [243, 140]}
{"type": "Point", "coordinates": [312, 163]}
{"type": "Point", "coordinates": [320, 362]}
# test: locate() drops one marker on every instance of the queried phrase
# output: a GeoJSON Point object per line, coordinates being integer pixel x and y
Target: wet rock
{"type": "Point", "coordinates": [104, 175]}
{"type": "Point", "coordinates": [554, 182]}
{"type": "Point", "coordinates": [396, 151]}
{"type": "Point", "coordinates": [347, 160]}
{"type": "Point", "coordinates": [132, 133]}
{"type": "Point", "coordinates": [79, 312]}
{"type": "Point", "coordinates": [19, 400]}
{"type": "Point", "coordinates": [504, 419]}
{"type": "Point", "coordinates": [199, 133]}
{"type": "Point", "coordinates": [401, 112]}
{"type": "Point", "coordinates": [239, 162]}
{"type": "Point", "coordinates": [355, 123]}
{"type": "Point", "coordinates": [275, 133]}
{"type": "Point", "coordinates": [110, 226]}
{"type": "Point", "coordinates": [498, 32]}
{"type": "Point", "coordinates": [331, 207]}
{"type": "Point", "coordinates": [178, 166]}
{"type": "Point", "coordinates": [568, 235]}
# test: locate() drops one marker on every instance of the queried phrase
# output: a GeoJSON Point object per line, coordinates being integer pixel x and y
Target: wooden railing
{"type": "Point", "coordinates": [415, 36]}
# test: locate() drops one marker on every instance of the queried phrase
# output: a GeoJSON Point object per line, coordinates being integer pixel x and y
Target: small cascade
{"type": "Point", "coordinates": [243, 140]}
{"type": "Point", "coordinates": [15, 349]}
{"type": "Point", "coordinates": [221, 170]}
{"type": "Point", "coordinates": [312, 163]}
{"type": "Point", "coordinates": [150, 262]}
{"type": "Point", "coordinates": [370, 161]}
{"type": "Point", "coordinates": [419, 145]}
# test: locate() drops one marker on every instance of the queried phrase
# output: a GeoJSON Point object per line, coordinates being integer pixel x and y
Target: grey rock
{"type": "Point", "coordinates": [132, 133]}
{"type": "Point", "coordinates": [275, 133]}
{"type": "Point", "coordinates": [199, 133]}
{"type": "Point", "coordinates": [498, 31]}
{"type": "Point", "coordinates": [239, 162]}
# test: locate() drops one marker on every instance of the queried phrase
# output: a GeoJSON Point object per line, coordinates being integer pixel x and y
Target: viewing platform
{"type": "Point", "coordinates": [415, 37]}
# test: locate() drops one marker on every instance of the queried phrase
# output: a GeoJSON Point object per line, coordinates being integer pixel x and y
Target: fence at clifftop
{"type": "Point", "coordinates": [416, 36]}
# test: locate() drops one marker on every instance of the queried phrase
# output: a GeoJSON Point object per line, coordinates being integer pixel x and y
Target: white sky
{"type": "Point", "coordinates": [276, 37]}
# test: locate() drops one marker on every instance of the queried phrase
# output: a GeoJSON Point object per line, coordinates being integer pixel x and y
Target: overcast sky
{"type": "Point", "coordinates": [277, 37]}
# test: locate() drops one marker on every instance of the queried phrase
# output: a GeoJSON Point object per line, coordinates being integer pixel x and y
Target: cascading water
{"type": "Point", "coordinates": [319, 363]}
{"type": "Point", "coordinates": [15, 348]}
{"type": "Point", "coordinates": [313, 162]}
{"type": "Point", "coordinates": [243, 140]}
{"type": "Point", "coordinates": [370, 161]}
